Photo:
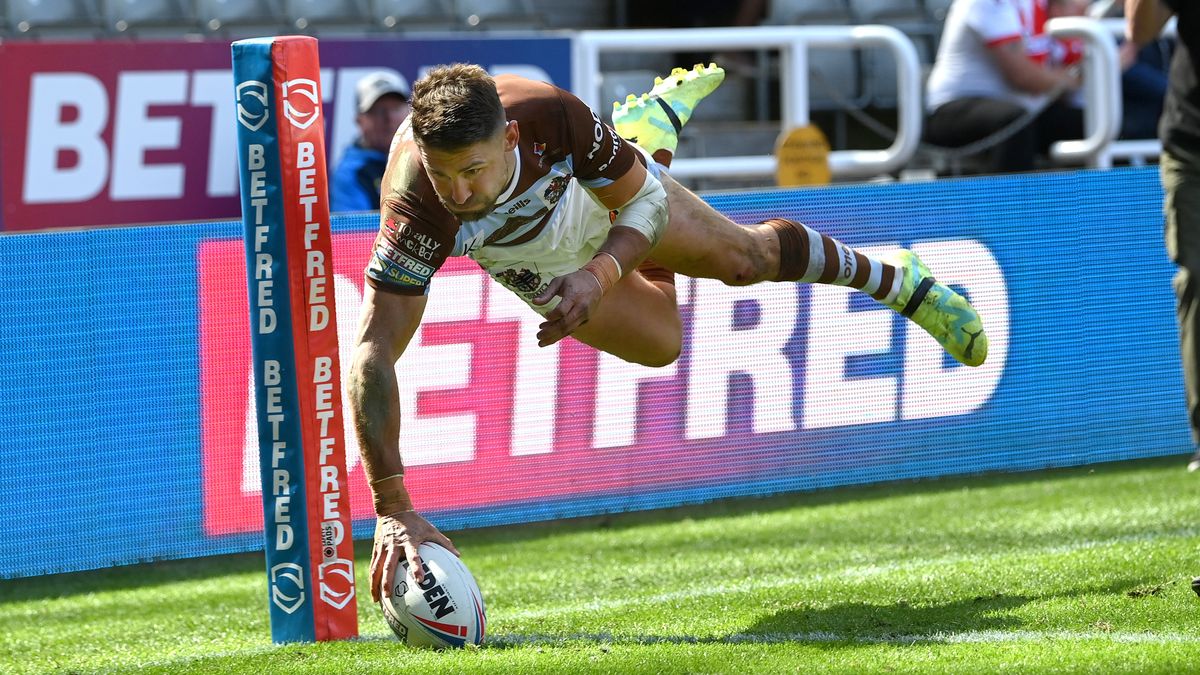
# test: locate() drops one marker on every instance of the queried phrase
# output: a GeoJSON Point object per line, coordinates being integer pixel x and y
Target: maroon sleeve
{"type": "Point", "coordinates": [416, 234]}
{"type": "Point", "coordinates": [600, 155]}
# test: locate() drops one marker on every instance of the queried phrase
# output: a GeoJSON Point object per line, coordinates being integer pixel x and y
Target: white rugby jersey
{"type": "Point", "coordinates": [562, 145]}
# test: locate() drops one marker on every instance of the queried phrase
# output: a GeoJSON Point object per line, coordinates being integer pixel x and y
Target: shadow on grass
{"type": "Point", "coordinates": [855, 619]}
{"type": "Point", "coordinates": [856, 623]}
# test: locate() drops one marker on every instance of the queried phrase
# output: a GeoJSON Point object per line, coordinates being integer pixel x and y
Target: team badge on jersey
{"type": "Point", "coordinates": [556, 188]}
{"type": "Point", "coordinates": [523, 281]}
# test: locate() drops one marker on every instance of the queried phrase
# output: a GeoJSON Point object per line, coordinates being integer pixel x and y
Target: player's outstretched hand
{"type": "Point", "coordinates": [401, 534]}
{"type": "Point", "coordinates": [580, 292]}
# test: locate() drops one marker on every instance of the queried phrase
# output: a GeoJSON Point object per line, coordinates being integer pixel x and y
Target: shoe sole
{"type": "Point", "coordinates": [641, 110]}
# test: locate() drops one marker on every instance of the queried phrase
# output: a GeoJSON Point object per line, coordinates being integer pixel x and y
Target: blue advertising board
{"type": "Point", "coordinates": [124, 398]}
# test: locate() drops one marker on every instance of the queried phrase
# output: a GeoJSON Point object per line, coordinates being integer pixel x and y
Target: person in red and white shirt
{"type": "Point", "coordinates": [993, 67]}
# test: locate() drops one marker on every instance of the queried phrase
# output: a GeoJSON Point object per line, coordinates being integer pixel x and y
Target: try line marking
{"type": "Point", "coordinates": [940, 637]}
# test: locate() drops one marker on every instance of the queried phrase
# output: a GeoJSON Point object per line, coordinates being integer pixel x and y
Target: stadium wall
{"type": "Point", "coordinates": [129, 433]}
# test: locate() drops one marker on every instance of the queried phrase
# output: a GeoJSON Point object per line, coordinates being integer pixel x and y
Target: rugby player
{"type": "Point", "coordinates": [583, 222]}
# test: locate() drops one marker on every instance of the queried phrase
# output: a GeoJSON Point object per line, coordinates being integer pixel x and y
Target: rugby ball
{"type": "Point", "coordinates": [444, 610]}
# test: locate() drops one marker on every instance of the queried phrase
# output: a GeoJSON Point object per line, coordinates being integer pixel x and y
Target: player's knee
{"type": "Point", "coordinates": [664, 356]}
{"type": "Point", "coordinates": [665, 348]}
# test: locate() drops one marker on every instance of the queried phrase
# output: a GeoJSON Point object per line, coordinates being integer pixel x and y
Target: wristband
{"type": "Point", "coordinates": [606, 269]}
{"type": "Point", "coordinates": [620, 272]}
{"type": "Point", "coordinates": [390, 496]}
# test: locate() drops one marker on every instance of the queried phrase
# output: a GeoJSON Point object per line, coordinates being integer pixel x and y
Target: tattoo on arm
{"type": "Point", "coordinates": [375, 401]}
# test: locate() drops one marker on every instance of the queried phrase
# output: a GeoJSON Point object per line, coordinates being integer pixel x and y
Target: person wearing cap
{"type": "Point", "coordinates": [382, 99]}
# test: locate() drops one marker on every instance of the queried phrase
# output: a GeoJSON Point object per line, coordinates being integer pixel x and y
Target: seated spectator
{"type": "Point", "coordinates": [993, 69]}
{"type": "Point", "coordinates": [1062, 53]}
{"type": "Point", "coordinates": [382, 106]}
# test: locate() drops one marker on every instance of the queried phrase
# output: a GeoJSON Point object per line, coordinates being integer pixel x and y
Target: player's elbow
{"type": "Point", "coordinates": [370, 364]}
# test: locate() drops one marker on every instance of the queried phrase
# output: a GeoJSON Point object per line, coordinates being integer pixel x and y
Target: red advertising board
{"type": "Point", "coordinates": [92, 135]}
{"type": "Point", "coordinates": [109, 133]}
{"type": "Point", "coordinates": [487, 416]}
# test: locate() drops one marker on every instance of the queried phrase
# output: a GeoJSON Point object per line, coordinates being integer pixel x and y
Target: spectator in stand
{"type": "Point", "coordinates": [992, 70]}
{"type": "Point", "coordinates": [382, 99]}
{"type": "Point", "coordinates": [1179, 167]}
{"type": "Point", "coordinates": [1143, 77]}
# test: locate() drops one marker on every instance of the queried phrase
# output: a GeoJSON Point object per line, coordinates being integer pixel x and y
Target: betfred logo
{"type": "Point", "coordinates": [336, 578]}
{"type": "Point", "coordinates": [301, 104]}
{"type": "Point", "coordinates": [252, 106]}
{"type": "Point", "coordinates": [103, 133]}
{"type": "Point", "coordinates": [764, 369]}
{"type": "Point", "coordinates": [287, 586]}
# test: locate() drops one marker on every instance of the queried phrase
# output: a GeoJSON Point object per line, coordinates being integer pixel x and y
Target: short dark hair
{"type": "Point", "coordinates": [455, 106]}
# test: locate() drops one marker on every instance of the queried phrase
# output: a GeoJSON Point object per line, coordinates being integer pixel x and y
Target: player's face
{"type": "Point", "coordinates": [469, 180]}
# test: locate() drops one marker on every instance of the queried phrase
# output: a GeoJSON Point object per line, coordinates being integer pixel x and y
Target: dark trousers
{"type": "Point", "coordinates": [967, 120]}
{"type": "Point", "coordinates": [1143, 87]}
{"type": "Point", "coordinates": [1143, 90]}
{"type": "Point", "coordinates": [1181, 204]}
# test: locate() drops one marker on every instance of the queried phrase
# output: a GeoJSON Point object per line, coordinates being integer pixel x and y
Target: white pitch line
{"type": "Point", "coordinates": [814, 637]}
{"type": "Point", "coordinates": [819, 637]}
{"type": "Point", "coordinates": [860, 573]}
{"type": "Point", "coordinates": [940, 637]}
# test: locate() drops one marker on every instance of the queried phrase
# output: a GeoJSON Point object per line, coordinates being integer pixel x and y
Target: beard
{"type": "Point", "coordinates": [472, 214]}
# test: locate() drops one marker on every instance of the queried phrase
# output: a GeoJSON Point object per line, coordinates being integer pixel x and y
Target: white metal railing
{"type": "Point", "coordinates": [1101, 91]}
{"type": "Point", "coordinates": [793, 42]}
{"type": "Point", "coordinates": [1135, 150]}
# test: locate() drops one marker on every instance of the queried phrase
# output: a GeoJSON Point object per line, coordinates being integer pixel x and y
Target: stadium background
{"type": "Point", "coordinates": [126, 351]}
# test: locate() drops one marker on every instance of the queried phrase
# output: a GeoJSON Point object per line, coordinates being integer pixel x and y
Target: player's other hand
{"type": "Point", "coordinates": [401, 534]}
{"type": "Point", "coordinates": [580, 293]}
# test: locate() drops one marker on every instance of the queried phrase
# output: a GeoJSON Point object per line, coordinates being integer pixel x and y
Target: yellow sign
{"type": "Point", "coordinates": [802, 157]}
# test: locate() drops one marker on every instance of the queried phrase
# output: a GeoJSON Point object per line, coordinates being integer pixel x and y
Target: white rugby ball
{"type": "Point", "coordinates": [444, 610]}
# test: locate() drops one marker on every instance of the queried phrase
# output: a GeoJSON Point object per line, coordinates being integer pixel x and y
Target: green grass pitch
{"type": "Point", "coordinates": [1074, 570]}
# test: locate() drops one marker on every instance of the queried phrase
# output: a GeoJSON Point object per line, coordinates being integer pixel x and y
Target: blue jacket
{"type": "Point", "coordinates": [355, 183]}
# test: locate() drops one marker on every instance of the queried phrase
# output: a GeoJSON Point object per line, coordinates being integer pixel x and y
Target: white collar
{"type": "Point", "coordinates": [515, 177]}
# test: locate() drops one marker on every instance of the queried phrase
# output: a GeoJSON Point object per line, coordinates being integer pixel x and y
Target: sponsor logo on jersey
{"type": "Point", "coordinates": [405, 261]}
{"type": "Point", "coordinates": [522, 203]}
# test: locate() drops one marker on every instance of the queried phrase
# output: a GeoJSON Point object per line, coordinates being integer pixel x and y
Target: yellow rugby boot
{"type": "Point", "coordinates": [944, 314]}
{"type": "Point", "coordinates": [654, 119]}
